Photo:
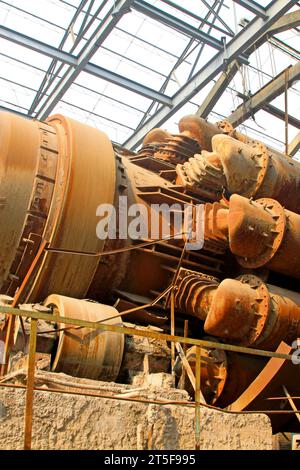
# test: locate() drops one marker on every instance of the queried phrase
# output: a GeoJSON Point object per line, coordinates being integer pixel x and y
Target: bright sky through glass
{"type": "Point", "coordinates": [145, 51]}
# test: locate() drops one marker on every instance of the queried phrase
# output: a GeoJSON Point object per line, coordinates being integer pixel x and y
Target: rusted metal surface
{"type": "Point", "coordinates": [84, 352]}
{"type": "Point", "coordinates": [199, 129]}
{"type": "Point", "coordinates": [28, 160]}
{"type": "Point", "coordinates": [194, 293]}
{"type": "Point", "coordinates": [160, 145]}
{"type": "Point", "coordinates": [202, 174]}
{"type": "Point", "coordinates": [81, 188]}
{"type": "Point", "coordinates": [177, 149]}
{"type": "Point", "coordinates": [9, 327]}
{"type": "Point", "coordinates": [244, 310]}
{"type": "Point", "coordinates": [248, 169]}
{"type": "Point", "coordinates": [224, 375]}
{"type": "Point", "coordinates": [268, 383]}
{"type": "Point", "coordinates": [213, 373]}
{"type": "Point", "coordinates": [260, 233]}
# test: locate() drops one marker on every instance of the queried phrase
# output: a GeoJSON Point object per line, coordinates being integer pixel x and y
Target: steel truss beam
{"type": "Point", "coordinates": [212, 25]}
{"type": "Point", "coordinates": [266, 94]}
{"type": "Point", "coordinates": [187, 50]}
{"type": "Point", "coordinates": [238, 45]}
{"type": "Point", "coordinates": [274, 111]}
{"type": "Point", "coordinates": [90, 48]}
{"type": "Point", "coordinates": [289, 21]}
{"type": "Point", "coordinates": [253, 7]}
{"type": "Point", "coordinates": [217, 90]}
{"type": "Point", "coordinates": [52, 66]}
{"type": "Point", "coordinates": [294, 146]}
{"type": "Point", "coordinates": [175, 23]}
{"type": "Point", "coordinates": [92, 69]}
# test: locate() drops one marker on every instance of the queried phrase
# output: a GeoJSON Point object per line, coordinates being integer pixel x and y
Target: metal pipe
{"type": "Point", "coordinates": [197, 398]}
{"type": "Point", "coordinates": [242, 310]}
{"type": "Point", "coordinates": [259, 233]}
{"type": "Point", "coordinates": [30, 386]}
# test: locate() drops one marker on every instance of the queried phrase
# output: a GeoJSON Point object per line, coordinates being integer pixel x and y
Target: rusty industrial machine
{"type": "Point", "coordinates": [62, 181]}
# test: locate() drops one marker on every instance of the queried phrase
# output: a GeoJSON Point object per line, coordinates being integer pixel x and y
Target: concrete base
{"type": "Point", "coordinates": [65, 421]}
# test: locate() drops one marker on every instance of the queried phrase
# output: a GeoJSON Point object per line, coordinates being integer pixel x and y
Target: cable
{"type": "Point", "coordinates": [112, 252]}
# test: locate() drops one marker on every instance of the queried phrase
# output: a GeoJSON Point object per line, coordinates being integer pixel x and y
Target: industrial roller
{"type": "Point", "coordinates": [83, 352]}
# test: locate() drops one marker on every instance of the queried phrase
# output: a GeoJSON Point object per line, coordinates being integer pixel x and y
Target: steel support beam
{"type": "Point", "coordinates": [286, 22]}
{"type": "Point", "coordinates": [175, 23]}
{"type": "Point", "coordinates": [92, 69]}
{"type": "Point", "coordinates": [294, 146]}
{"type": "Point", "coordinates": [130, 85]}
{"type": "Point", "coordinates": [90, 48]}
{"type": "Point", "coordinates": [281, 115]}
{"type": "Point", "coordinates": [37, 46]}
{"type": "Point", "coordinates": [217, 90]}
{"type": "Point", "coordinates": [266, 94]}
{"type": "Point", "coordinates": [187, 50]}
{"type": "Point", "coordinates": [238, 45]}
{"type": "Point", "coordinates": [212, 25]}
{"type": "Point", "coordinates": [252, 6]}
{"type": "Point", "coordinates": [275, 111]}
{"type": "Point", "coordinates": [289, 21]}
{"type": "Point", "coordinates": [52, 66]}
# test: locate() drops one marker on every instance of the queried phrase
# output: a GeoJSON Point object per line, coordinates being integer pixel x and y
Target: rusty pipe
{"type": "Point", "coordinates": [252, 313]}
{"type": "Point", "coordinates": [264, 173]}
{"type": "Point", "coordinates": [245, 310]}
{"type": "Point", "coordinates": [194, 292]}
{"type": "Point", "coordinates": [204, 131]}
{"type": "Point", "coordinates": [259, 233]}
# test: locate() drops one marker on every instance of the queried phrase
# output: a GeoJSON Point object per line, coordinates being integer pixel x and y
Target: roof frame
{"type": "Point", "coordinates": [98, 37]}
{"type": "Point", "coordinates": [269, 92]}
{"type": "Point", "coordinates": [253, 6]}
{"type": "Point", "coordinates": [70, 59]}
{"type": "Point", "coordinates": [239, 44]}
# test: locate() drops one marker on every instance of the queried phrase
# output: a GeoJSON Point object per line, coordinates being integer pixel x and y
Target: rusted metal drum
{"type": "Point", "coordinates": [224, 375]}
{"type": "Point", "coordinates": [83, 352]}
{"type": "Point", "coordinates": [269, 384]}
{"type": "Point", "coordinates": [53, 176]}
{"type": "Point", "coordinates": [28, 162]}
{"type": "Point", "coordinates": [86, 179]}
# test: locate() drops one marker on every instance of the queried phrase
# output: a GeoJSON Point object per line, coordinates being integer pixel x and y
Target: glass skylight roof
{"type": "Point", "coordinates": [145, 51]}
